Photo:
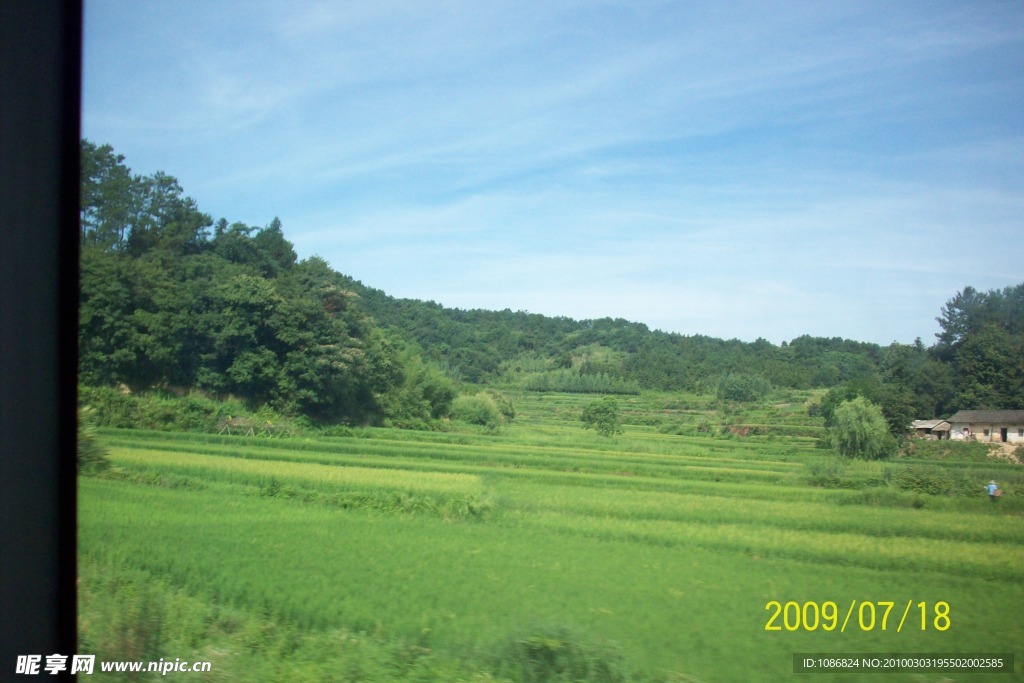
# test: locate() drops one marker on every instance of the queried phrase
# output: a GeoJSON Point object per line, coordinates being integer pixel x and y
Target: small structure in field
{"type": "Point", "coordinates": [931, 429]}
{"type": "Point", "coordinates": [240, 425]}
{"type": "Point", "coordinates": [987, 426]}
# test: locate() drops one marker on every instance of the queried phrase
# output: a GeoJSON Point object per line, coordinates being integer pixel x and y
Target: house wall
{"type": "Point", "coordinates": [977, 431]}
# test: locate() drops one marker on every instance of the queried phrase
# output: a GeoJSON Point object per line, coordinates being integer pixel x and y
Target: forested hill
{"type": "Point", "coordinates": [170, 298]}
{"type": "Point", "coordinates": [976, 361]}
{"type": "Point", "coordinates": [481, 345]}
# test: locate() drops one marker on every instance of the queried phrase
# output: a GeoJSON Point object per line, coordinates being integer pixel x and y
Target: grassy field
{"type": "Point", "coordinates": [544, 552]}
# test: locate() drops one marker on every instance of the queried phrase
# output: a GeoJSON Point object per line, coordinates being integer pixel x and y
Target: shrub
{"type": "Point", "coordinates": [113, 407]}
{"type": "Point", "coordinates": [886, 496]}
{"type": "Point", "coordinates": [128, 622]}
{"type": "Point", "coordinates": [603, 416]}
{"type": "Point", "coordinates": [425, 393]}
{"type": "Point", "coordinates": [844, 474]}
{"type": "Point", "coordinates": [743, 388]}
{"type": "Point", "coordinates": [556, 656]}
{"type": "Point", "coordinates": [503, 404]}
{"type": "Point", "coordinates": [193, 412]}
{"type": "Point", "coordinates": [676, 427]}
{"type": "Point", "coordinates": [934, 481]}
{"type": "Point", "coordinates": [947, 450]}
{"type": "Point", "coordinates": [860, 431]}
{"type": "Point", "coordinates": [92, 455]}
{"type": "Point", "coordinates": [828, 475]}
{"type": "Point", "coordinates": [478, 409]}
{"type": "Point", "coordinates": [571, 381]}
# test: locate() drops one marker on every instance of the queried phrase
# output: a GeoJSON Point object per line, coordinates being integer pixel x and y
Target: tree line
{"type": "Point", "coordinates": [476, 345]}
{"type": "Point", "coordinates": [171, 298]}
{"type": "Point", "coordinates": [977, 362]}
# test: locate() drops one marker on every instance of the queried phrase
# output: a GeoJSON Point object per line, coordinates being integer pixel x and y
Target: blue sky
{"type": "Point", "coordinates": [734, 169]}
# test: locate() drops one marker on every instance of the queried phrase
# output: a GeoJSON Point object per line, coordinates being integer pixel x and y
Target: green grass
{"type": "Point", "coordinates": [645, 557]}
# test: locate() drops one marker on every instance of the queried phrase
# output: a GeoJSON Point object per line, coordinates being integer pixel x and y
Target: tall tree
{"type": "Point", "coordinates": [982, 341]}
{"type": "Point", "coordinates": [109, 196]}
{"type": "Point", "coordinates": [275, 252]}
{"type": "Point", "coordinates": [603, 416]}
{"type": "Point", "coordinates": [860, 431]}
{"type": "Point", "coordinates": [166, 219]}
{"type": "Point", "coordinates": [990, 369]}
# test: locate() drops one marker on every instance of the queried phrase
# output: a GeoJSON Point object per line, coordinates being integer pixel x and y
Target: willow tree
{"type": "Point", "coordinates": [859, 430]}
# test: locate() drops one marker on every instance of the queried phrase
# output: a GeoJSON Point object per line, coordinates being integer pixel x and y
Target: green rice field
{"type": "Point", "coordinates": [540, 553]}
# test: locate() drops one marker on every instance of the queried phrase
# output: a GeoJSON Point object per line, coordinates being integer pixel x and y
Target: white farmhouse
{"type": "Point", "coordinates": [988, 426]}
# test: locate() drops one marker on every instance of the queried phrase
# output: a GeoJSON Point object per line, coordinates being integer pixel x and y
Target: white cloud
{"type": "Point", "coordinates": [733, 169]}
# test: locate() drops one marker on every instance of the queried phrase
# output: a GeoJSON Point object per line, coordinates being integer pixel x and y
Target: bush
{"type": "Point", "coordinates": [503, 404]}
{"type": "Point", "coordinates": [113, 407]}
{"type": "Point", "coordinates": [844, 474]}
{"type": "Point", "coordinates": [603, 416]}
{"type": "Point", "coordinates": [948, 451]}
{"type": "Point", "coordinates": [132, 623]}
{"type": "Point", "coordinates": [934, 481]}
{"type": "Point", "coordinates": [478, 409]}
{"type": "Point", "coordinates": [425, 393]}
{"type": "Point", "coordinates": [190, 413]}
{"type": "Point", "coordinates": [556, 656]}
{"type": "Point", "coordinates": [886, 496]}
{"type": "Point", "coordinates": [92, 455]}
{"type": "Point", "coordinates": [571, 381]}
{"type": "Point", "coordinates": [118, 408]}
{"type": "Point", "coordinates": [743, 388]}
{"type": "Point", "coordinates": [860, 431]}
{"type": "Point", "coordinates": [827, 475]}
{"type": "Point", "coordinates": [676, 428]}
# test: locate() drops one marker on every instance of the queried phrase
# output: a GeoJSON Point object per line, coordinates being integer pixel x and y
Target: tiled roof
{"type": "Point", "coordinates": [989, 416]}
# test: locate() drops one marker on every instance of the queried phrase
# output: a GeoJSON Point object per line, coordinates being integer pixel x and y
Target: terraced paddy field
{"type": "Point", "coordinates": [541, 553]}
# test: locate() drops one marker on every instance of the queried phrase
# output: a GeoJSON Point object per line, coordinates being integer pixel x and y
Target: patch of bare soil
{"type": "Point", "coordinates": [1011, 452]}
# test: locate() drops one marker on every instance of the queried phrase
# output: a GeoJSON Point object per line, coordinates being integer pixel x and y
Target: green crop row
{"type": "Point", "coordinates": [614, 514]}
{"type": "Point", "coordinates": [414, 455]}
{"type": "Point", "coordinates": [389, 490]}
{"type": "Point", "coordinates": [650, 555]}
{"type": "Point", "coordinates": [673, 598]}
{"type": "Point", "coordinates": [718, 508]}
{"type": "Point", "coordinates": [989, 560]}
{"type": "Point", "coordinates": [650, 445]}
{"type": "Point", "coordinates": [331, 476]}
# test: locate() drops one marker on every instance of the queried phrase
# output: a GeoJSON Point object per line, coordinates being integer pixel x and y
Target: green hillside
{"type": "Point", "coordinates": [172, 301]}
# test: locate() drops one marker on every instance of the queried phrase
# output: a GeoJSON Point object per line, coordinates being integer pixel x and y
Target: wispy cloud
{"type": "Point", "coordinates": [733, 169]}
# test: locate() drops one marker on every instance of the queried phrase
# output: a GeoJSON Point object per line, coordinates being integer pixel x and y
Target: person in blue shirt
{"type": "Point", "coordinates": [992, 488]}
